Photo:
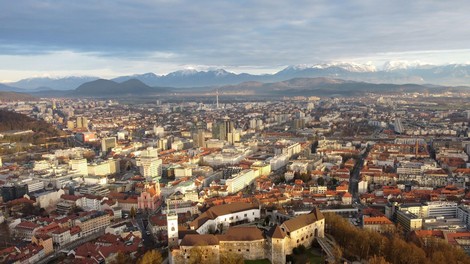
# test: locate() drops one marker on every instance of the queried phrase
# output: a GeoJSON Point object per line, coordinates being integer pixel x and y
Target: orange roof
{"type": "Point", "coordinates": [452, 237]}
{"type": "Point", "coordinates": [377, 220]}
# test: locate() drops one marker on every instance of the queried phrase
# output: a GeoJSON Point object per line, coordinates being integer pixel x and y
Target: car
{"type": "Point", "coordinates": [148, 233]}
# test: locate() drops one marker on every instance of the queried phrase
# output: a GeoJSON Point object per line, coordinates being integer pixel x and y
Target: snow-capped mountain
{"type": "Point", "coordinates": [394, 72]}
{"type": "Point", "coordinates": [191, 78]}
{"type": "Point", "coordinates": [402, 65]}
{"type": "Point", "coordinates": [347, 66]}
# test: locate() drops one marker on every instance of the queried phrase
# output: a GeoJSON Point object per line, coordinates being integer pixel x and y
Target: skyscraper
{"type": "Point", "coordinates": [222, 128]}
{"type": "Point", "coordinates": [108, 143]}
{"type": "Point", "coordinates": [149, 164]}
{"type": "Point", "coordinates": [198, 138]}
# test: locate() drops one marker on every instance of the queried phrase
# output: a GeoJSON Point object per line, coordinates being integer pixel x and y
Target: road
{"type": "Point", "coordinates": [355, 176]}
{"type": "Point", "coordinates": [142, 222]}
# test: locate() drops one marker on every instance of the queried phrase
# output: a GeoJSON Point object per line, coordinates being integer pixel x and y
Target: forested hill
{"type": "Point", "coordinates": [15, 121]}
{"type": "Point", "coordinates": [12, 96]}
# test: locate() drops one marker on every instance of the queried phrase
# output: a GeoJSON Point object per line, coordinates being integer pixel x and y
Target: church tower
{"type": "Point", "coordinates": [172, 226]}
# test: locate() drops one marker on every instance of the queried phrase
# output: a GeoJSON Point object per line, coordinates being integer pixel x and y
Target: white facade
{"type": "Point", "coordinates": [362, 187]}
{"type": "Point", "coordinates": [49, 199]}
{"type": "Point", "coordinates": [279, 161]}
{"type": "Point", "coordinates": [172, 229]}
{"type": "Point", "coordinates": [226, 220]}
{"type": "Point", "coordinates": [80, 166]}
{"type": "Point", "coordinates": [104, 168]}
{"type": "Point", "coordinates": [33, 185]}
{"type": "Point", "coordinates": [183, 172]}
{"type": "Point", "coordinates": [240, 180]}
{"type": "Point", "coordinates": [149, 163]}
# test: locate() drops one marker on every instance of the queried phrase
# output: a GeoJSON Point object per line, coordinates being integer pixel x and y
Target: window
{"type": "Point", "coordinates": [245, 215]}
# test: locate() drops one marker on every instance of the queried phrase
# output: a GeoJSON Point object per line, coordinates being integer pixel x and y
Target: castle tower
{"type": "Point", "coordinates": [172, 226]}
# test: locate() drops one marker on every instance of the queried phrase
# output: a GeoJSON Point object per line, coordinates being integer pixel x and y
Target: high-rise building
{"type": "Point", "coordinates": [222, 128]}
{"type": "Point", "coordinates": [70, 124]}
{"type": "Point", "coordinates": [199, 139]}
{"type": "Point", "coordinates": [159, 131]}
{"type": "Point", "coordinates": [108, 143]}
{"type": "Point", "coordinates": [234, 136]}
{"type": "Point", "coordinates": [82, 122]}
{"type": "Point", "coordinates": [398, 126]}
{"type": "Point", "coordinates": [12, 191]}
{"type": "Point", "coordinates": [149, 163]}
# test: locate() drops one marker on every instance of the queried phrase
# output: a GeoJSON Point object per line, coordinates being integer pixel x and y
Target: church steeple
{"type": "Point", "coordinates": [172, 227]}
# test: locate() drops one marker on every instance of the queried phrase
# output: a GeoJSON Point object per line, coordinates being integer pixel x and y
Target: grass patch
{"type": "Point", "coordinates": [315, 258]}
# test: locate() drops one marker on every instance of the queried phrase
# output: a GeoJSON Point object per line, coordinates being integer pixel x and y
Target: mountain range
{"type": "Point", "coordinates": [392, 72]}
{"type": "Point", "coordinates": [322, 86]}
{"type": "Point", "coordinates": [319, 86]}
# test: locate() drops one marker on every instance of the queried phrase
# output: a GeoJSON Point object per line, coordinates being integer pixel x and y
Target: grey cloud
{"type": "Point", "coordinates": [232, 32]}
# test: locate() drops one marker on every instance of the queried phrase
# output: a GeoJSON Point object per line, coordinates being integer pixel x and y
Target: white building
{"type": "Point", "coordinates": [224, 216]}
{"type": "Point", "coordinates": [149, 163]}
{"type": "Point", "coordinates": [80, 166]}
{"type": "Point", "coordinates": [104, 168]}
{"type": "Point", "coordinates": [240, 180]}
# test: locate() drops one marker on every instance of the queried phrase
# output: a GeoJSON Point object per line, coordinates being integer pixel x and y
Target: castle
{"type": "Point", "coordinates": [251, 242]}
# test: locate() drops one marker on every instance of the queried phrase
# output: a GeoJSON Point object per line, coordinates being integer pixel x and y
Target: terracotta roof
{"type": "Point", "coordinates": [452, 237]}
{"type": "Point", "coordinates": [276, 232]}
{"type": "Point", "coordinates": [199, 240]}
{"type": "Point", "coordinates": [242, 234]}
{"type": "Point", "coordinates": [428, 233]}
{"type": "Point", "coordinates": [303, 220]}
{"type": "Point", "coordinates": [27, 225]}
{"type": "Point", "coordinates": [378, 220]}
{"type": "Point", "coordinates": [183, 233]}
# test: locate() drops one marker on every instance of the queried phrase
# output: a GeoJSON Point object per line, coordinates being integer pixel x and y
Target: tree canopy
{"type": "Point", "coordinates": [362, 244]}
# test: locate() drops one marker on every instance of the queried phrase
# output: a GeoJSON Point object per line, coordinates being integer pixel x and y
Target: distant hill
{"type": "Point", "coordinates": [101, 87]}
{"type": "Point", "coordinates": [46, 83]}
{"type": "Point", "coordinates": [319, 86]}
{"type": "Point", "coordinates": [13, 96]}
{"type": "Point", "coordinates": [14, 121]}
{"type": "Point", "coordinates": [327, 87]}
{"type": "Point", "coordinates": [8, 88]}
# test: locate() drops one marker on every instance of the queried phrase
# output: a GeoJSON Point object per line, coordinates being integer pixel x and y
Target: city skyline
{"type": "Point", "coordinates": [109, 39]}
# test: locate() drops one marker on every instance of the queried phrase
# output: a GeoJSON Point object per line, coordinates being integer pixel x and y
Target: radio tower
{"type": "Point", "coordinates": [217, 99]}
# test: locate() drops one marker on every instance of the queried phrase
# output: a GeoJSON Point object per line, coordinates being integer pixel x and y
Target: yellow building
{"type": "Point", "coordinates": [45, 241]}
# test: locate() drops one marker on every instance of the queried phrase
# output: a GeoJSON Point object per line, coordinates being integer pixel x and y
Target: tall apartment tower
{"type": "Point", "coordinates": [150, 165]}
{"type": "Point", "coordinates": [199, 139]}
{"type": "Point", "coordinates": [108, 143]}
{"type": "Point", "coordinates": [222, 128]}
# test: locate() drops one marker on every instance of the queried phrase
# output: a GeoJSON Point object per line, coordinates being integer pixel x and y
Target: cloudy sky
{"type": "Point", "coordinates": [108, 38]}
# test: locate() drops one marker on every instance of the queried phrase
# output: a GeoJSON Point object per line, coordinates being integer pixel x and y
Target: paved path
{"type": "Point", "coordinates": [327, 245]}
